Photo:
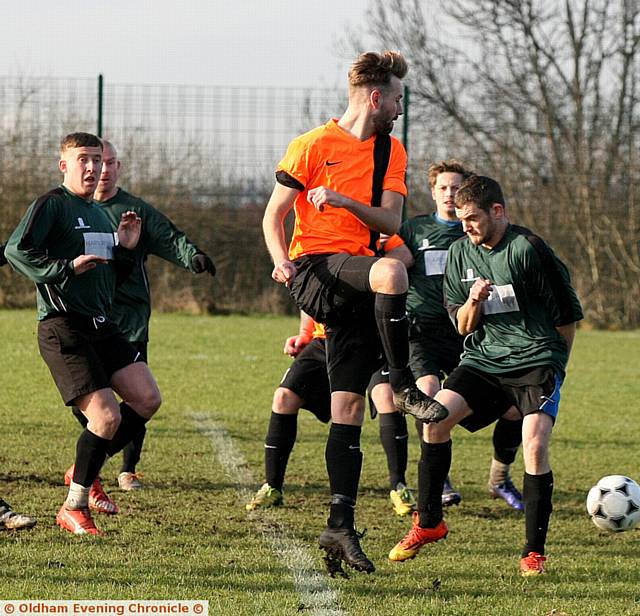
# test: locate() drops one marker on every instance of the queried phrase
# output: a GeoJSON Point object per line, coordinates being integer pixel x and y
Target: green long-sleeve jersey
{"type": "Point", "coordinates": [531, 296]}
{"type": "Point", "coordinates": [132, 303]}
{"type": "Point", "coordinates": [56, 228]}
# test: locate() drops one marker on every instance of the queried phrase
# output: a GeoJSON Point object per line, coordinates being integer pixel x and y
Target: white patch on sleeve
{"type": "Point", "coordinates": [501, 299]}
{"type": "Point", "coordinates": [434, 262]}
{"type": "Point", "coordinates": [99, 244]}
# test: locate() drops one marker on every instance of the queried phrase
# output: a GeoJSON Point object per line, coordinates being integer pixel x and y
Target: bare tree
{"type": "Point", "coordinates": [544, 96]}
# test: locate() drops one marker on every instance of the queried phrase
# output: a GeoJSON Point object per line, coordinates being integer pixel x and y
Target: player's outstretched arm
{"type": "Point", "coordinates": [163, 239]}
{"type": "Point", "coordinates": [201, 263]}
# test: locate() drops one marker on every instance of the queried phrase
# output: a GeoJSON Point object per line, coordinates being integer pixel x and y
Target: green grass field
{"type": "Point", "coordinates": [188, 536]}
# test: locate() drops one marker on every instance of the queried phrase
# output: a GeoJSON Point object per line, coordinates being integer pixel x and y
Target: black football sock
{"type": "Point", "coordinates": [130, 427]}
{"type": "Point", "coordinates": [280, 439]}
{"type": "Point", "coordinates": [344, 463]}
{"type": "Point", "coordinates": [507, 437]}
{"type": "Point", "coordinates": [91, 452]}
{"type": "Point", "coordinates": [393, 325]}
{"type": "Point", "coordinates": [394, 438]}
{"type": "Point", "coordinates": [537, 491]}
{"type": "Point", "coordinates": [433, 468]}
{"type": "Point", "coordinates": [132, 452]}
{"type": "Point", "coordinates": [79, 415]}
{"type": "Point", "coordinates": [341, 512]}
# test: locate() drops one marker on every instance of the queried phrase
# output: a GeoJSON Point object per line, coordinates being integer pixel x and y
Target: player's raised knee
{"type": "Point", "coordinates": [286, 402]}
{"type": "Point", "coordinates": [388, 276]}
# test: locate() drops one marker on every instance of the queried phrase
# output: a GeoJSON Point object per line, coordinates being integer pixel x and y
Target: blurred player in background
{"type": "Point", "coordinates": [305, 385]}
{"type": "Point", "coordinates": [131, 309]}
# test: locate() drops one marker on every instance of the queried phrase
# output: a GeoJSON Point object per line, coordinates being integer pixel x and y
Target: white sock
{"type": "Point", "coordinates": [78, 497]}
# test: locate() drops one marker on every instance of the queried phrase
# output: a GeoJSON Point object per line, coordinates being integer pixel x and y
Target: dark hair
{"type": "Point", "coordinates": [447, 166]}
{"type": "Point", "coordinates": [80, 140]}
{"type": "Point", "coordinates": [481, 190]}
{"type": "Point", "coordinates": [372, 69]}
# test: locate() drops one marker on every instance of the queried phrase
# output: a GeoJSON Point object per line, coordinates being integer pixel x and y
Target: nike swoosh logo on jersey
{"type": "Point", "coordinates": [331, 163]}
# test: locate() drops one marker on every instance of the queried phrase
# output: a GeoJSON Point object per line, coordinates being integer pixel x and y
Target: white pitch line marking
{"type": "Point", "coordinates": [311, 586]}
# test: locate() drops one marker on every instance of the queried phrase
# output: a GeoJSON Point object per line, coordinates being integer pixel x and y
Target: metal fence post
{"type": "Point", "coordinates": [405, 141]}
{"type": "Point", "coordinates": [405, 121]}
{"type": "Point", "coordinates": [100, 94]}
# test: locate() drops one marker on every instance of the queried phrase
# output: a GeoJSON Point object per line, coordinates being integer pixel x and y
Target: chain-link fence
{"type": "Point", "coordinates": [211, 138]}
{"type": "Point", "coordinates": [205, 155]}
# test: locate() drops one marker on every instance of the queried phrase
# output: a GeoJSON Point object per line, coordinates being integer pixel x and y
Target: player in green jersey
{"type": "Point", "coordinates": [434, 344]}
{"type": "Point", "coordinates": [67, 246]}
{"type": "Point", "coordinates": [131, 308]}
{"type": "Point", "coordinates": [512, 299]}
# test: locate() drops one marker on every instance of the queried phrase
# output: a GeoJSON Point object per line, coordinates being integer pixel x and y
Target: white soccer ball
{"type": "Point", "coordinates": [614, 503]}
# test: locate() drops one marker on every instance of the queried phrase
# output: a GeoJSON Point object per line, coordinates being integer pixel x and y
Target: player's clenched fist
{"type": "Point", "coordinates": [321, 196]}
{"type": "Point", "coordinates": [480, 290]}
{"type": "Point", "coordinates": [284, 272]}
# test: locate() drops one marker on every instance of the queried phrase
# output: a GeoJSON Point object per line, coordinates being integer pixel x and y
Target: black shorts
{"type": "Point", "coordinates": [307, 377]}
{"type": "Point", "coordinates": [433, 350]}
{"type": "Point", "coordinates": [141, 347]}
{"type": "Point", "coordinates": [531, 390]}
{"type": "Point", "coordinates": [334, 289]}
{"type": "Point", "coordinates": [81, 357]}
{"type": "Point", "coordinates": [354, 353]}
{"type": "Point", "coordinates": [329, 288]}
{"type": "Point", "coordinates": [379, 377]}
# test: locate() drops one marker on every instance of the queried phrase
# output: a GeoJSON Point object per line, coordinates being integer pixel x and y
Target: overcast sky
{"type": "Point", "coordinates": [227, 42]}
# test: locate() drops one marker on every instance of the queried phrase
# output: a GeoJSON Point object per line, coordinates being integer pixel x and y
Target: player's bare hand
{"type": "Point", "coordinates": [321, 196]}
{"type": "Point", "coordinates": [129, 229]}
{"type": "Point", "coordinates": [284, 272]}
{"type": "Point", "coordinates": [294, 344]}
{"type": "Point", "coordinates": [84, 263]}
{"type": "Point", "coordinates": [480, 290]}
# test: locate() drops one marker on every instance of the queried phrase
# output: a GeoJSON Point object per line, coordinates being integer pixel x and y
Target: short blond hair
{"type": "Point", "coordinates": [371, 69]}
